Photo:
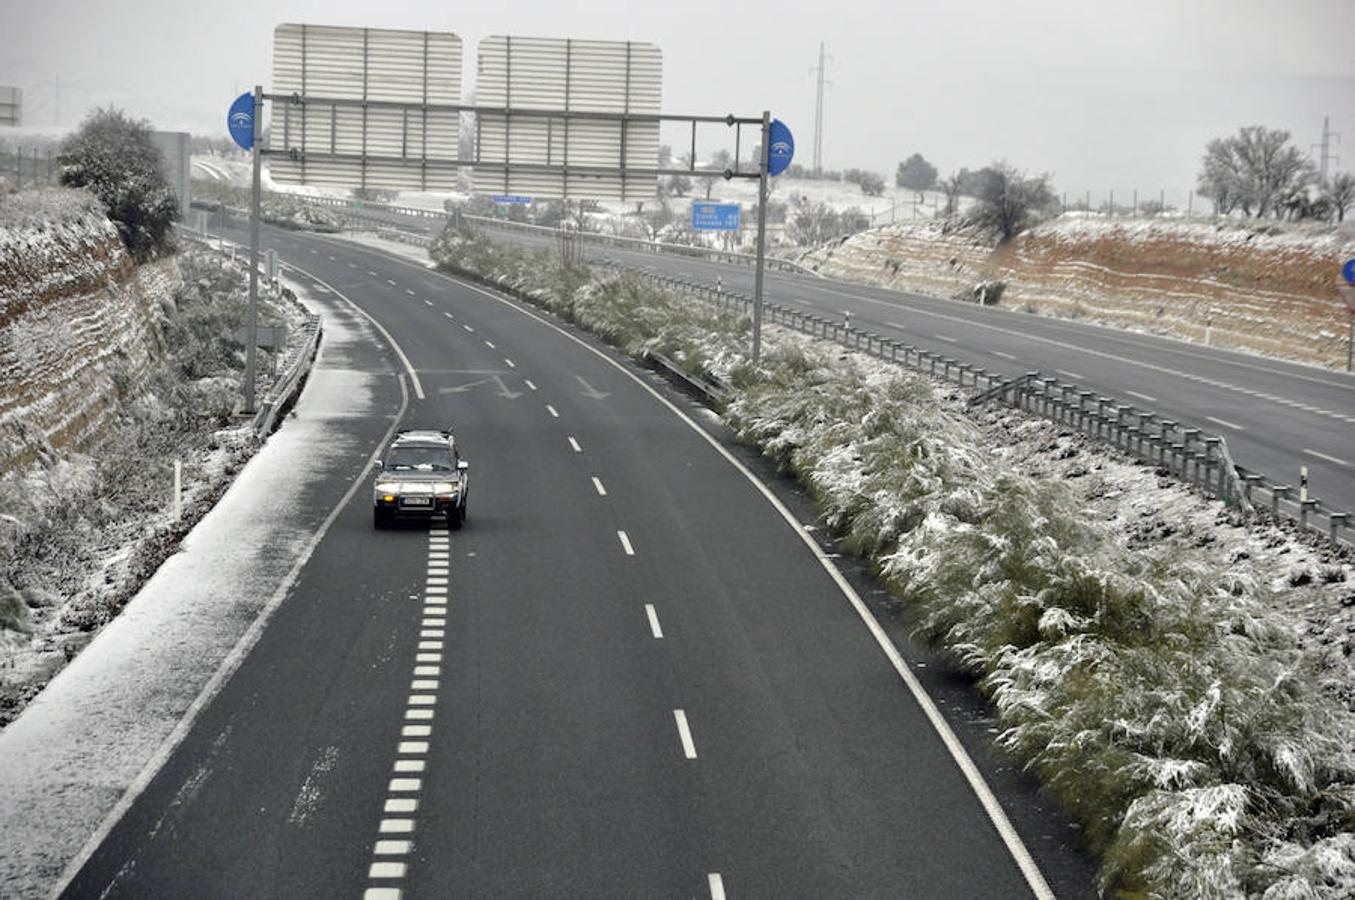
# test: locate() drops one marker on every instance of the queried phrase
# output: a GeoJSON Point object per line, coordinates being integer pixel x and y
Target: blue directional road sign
{"type": "Point", "coordinates": [1349, 270]}
{"type": "Point", "coordinates": [780, 147]}
{"type": "Point", "coordinates": [715, 217]}
{"type": "Point", "coordinates": [511, 199]}
{"type": "Point", "coordinates": [240, 120]}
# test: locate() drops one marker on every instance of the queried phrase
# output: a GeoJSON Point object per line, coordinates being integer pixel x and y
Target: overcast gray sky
{"type": "Point", "coordinates": [1104, 94]}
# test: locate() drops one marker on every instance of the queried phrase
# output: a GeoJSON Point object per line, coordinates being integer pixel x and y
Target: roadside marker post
{"type": "Point", "coordinates": [1348, 293]}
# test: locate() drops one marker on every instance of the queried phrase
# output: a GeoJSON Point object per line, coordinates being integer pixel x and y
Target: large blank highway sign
{"type": "Point", "coordinates": [547, 156]}
{"type": "Point", "coordinates": [344, 76]}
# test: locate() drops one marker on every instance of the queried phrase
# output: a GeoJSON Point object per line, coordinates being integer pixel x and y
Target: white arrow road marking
{"type": "Point", "coordinates": [591, 392]}
{"type": "Point", "coordinates": [496, 380]}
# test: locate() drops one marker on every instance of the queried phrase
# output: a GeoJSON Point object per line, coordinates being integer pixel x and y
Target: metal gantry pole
{"type": "Point", "coordinates": [252, 330]}
{"type": "Point", "coordinates": [761, 236]}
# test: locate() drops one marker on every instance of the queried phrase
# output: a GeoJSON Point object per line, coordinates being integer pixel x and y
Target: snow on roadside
{"type": "Point", "coordinates": [76, 749]}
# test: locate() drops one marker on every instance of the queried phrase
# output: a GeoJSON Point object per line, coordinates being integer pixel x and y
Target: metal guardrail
{"type": "Point", "coordinates": [1199, 460]}
{"type": "Point", "coordinates": [643, 246]}
{"type": "Point", "coordinates": [711, 390]}
{"type": "Point", "coordinates": [283, 392]}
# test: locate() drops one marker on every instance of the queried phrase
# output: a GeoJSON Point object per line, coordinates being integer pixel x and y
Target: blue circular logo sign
{"type": "Point", "coordinates": [1349, 270]}
{"type": "Point", "coordinates": [240, 120]}
{"type": "Point", "coordinates": [780, 147]}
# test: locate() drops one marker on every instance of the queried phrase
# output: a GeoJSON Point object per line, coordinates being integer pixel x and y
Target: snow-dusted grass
{"type": "Point", "coordinates": [1154, 662]}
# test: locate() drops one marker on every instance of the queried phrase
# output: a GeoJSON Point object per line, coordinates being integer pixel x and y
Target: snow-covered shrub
{"type": "Point", "coordinates": [114, 157]}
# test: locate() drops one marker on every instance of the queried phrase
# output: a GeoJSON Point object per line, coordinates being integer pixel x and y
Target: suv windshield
{"type": "Point", "coordinates": [424, 459]}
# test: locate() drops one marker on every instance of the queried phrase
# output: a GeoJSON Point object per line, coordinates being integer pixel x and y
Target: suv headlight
{"type": "Point", "coordinates": [445, 487]}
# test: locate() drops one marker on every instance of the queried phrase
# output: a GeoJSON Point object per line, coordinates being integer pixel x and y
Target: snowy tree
{"type": "Point", "coordinates": [1342, 194]}
{"type": "Point", "coordinates": [113, 156]}
{"type": "Point", "coordinates": [916, 174]}
{"type": "Point", "coordinates": [872, 185]}
{"type": "Point", "coordinates": [1256, 171]}
{"type": "Point", "coordinates": [1009, 201]}
{"type": "Point", "coordinates": [679, 185]}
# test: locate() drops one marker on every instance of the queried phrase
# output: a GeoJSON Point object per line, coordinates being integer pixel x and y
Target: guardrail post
{"type": "Point", "coordinates": [1305, 507]}
{"type": "Point", "coordinates": [1247, 482]}
{"type": "Point", "coordinates": [1278, 492]}
{"type": "Point", "coordinates": [1336, 521]}
{"type": "Point", "coordinates": [1214, 457]}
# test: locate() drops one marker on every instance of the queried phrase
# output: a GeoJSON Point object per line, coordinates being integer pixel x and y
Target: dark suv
{"type": "Point", "coordinates": [421, 476]}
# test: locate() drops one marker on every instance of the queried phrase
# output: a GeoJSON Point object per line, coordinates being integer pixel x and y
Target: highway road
{"type": "Point", "coordinates": [632, 674]}
{"type": "Point", "coordinates": [1276, 416]}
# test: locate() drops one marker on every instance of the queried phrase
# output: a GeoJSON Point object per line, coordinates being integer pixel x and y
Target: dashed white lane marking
{"type": "Point", "coordinates": [550, 409]}
{"type": "Point", "coordinates": [654, 628]}
{"type": "Point", "coordinates": [371, 273]}
{"type": "Point", "coordinates": [1072, 375]}
{"type": "Point", "coordinates": [401, 804]}
{"type": "Point", "coordinates": [1225, 423]}
{"type": "Point", "coordinates": [685, 734]}
{"type": "Point", "coordinates": [530, 386]}
{"type": "Point", "coordinates": [897, 325]}
{"type": "Point", "coordinates": [468, 328]}
{"type": "Point", "coordinates": [352, 265]}
{"type": "Point", "coordinates": [575, 445]}
{"type": "Point", "coordinates": [510, 363]}
{"type": "Point", "coordinates": [1004, 355]}
{"type": "Point", "coordinates": [1149, 397]}
{"type": "Point", "coordinates": [382, 893]}
{"type": "Point", "coordinates": [947, 338]}
{"type": "Point", "coordinates": [428, 303]}
{"type": "Point", "coordinates": [449, 315]}
{"type": "Point", "coordinates": [490, 345]}
{"type": "Point", "coordinates": [332, 259]}
{"type": "Point", "coordinates": [717, 886]}
{"type": "Point", "coordinates": [408, 291]}
{"type": "Point", "coordinates": [597, 483]}
{"type": "Point", "coordinates": [625, 543]}
{"type": "Point", "coordinates": [390, 282]}
{"type": "Point", "coordinates": [1330, 459]}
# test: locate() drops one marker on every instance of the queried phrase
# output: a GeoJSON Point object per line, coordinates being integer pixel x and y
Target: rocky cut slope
{"type": "Point", "coordinates": [77, 320]}
{"type": "Point", "coordinates": [1260, 287]}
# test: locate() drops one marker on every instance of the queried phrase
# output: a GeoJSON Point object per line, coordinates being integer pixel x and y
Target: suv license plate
{"type": "Point", "coordinates": [416, 501]}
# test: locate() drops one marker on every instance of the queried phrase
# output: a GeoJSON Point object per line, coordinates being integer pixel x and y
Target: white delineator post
{"type": "Point", "coordinates": [178, 490]}
{"type": "Point", "coordinates": [253, 326]}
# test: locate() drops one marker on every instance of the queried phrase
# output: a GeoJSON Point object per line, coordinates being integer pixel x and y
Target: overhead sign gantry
{"type": "Point", "coordinates": [369, 108]}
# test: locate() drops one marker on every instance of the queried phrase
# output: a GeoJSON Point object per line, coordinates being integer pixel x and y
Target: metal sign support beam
{"type": "Point", "coordinates": [253, 324]}
{"type": "Point", "coordinates": [761, 236]}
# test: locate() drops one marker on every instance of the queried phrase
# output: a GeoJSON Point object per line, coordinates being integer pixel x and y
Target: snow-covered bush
{"type": "Point", "coordinates": [113, 156]}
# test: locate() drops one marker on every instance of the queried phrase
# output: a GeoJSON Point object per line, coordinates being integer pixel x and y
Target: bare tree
{"type": "Point", "coordinates": [1342, 194]}
{"type": "Point", "coordinates": [952, 188]}
{"type": "Point", "coordinates": [1008, 201]}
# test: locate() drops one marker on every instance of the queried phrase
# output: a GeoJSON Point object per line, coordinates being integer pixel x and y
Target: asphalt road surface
{"type": "Point", "coordinates": [629, 675]}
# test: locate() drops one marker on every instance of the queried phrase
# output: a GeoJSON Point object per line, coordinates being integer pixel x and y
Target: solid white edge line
{"type": "Point", "coordinates": [654, 628]}
{"type": "Point", "coordinates": [1015, 846]}
{"type": "Point", "coordinates": [717, 886]}
{"type": "Point", "coordinates": [685, 734]}
{"type": "Point", "coordinates": [1149, 397]}
{"type": "Point", "coordinates": [233, 659]}
{"type": "Point", "coordinates": [399, 351]}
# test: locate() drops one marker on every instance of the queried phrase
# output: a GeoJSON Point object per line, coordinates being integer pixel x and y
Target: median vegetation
{"type": "Point", "coordinates": [1145, 655]}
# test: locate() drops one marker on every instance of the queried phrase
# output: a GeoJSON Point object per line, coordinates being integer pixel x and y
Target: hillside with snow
{"type": "Point", "coordinates": [1260, 287]}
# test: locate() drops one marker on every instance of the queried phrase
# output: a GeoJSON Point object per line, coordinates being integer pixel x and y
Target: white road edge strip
{"type": "Point", "coordinates": [1330, 459]}
{"type": "Point", "coordinates": [1015, 846]}
{"type": "Point", "coordinates": [232, 661]}
{"type": "Point", "coordinates": [399, 351]}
